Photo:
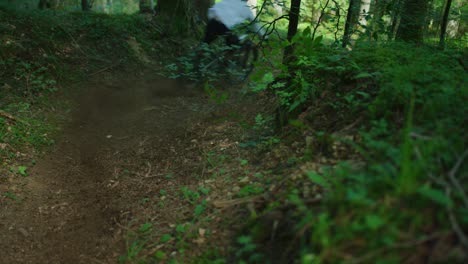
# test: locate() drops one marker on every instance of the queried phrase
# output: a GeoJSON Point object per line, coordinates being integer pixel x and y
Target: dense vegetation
{"type": "Point", "coordinates": [373, 128]}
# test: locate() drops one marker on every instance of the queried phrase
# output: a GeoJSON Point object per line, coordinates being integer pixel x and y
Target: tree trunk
{"type": "Point", "coordinates": [292, 30]}
{"type": "Point", "coordinates": [184, 15]}
{"type": "Point", "coordinates": [443, 25]}
{"type": "Point", "coordinates": [202, 6]}
{"type": "Point", "coordinates": [364, 12]}
{"type": "Point", "coordinates": [173, 8]}
{"type": "Point", "coordinates": [85, 5]}
{"type": "Point", "coordinates": [413, 19]}
{"type": "Point", "coordinates": [377, 10]}
{"type": "Point", "coordinates": [351, 19]}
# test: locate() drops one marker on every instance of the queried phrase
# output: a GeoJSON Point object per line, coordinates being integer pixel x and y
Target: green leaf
{"type": "Point", "coordinates": [145, 227]}
{"type": "Point", "coordinates": [317, 40]}
{"type": "Point", "coordinates": [180, 229]}
{"type": "Point", "coordinates": [374, 221]}
{"type": "Point", "coordinates": [306, 32]}
{"type": "Point", "coordinates": [363, 75]}
{"type": "Point", "coordinates": [199, 209]}
{"type": "Point", "coordinates": [244, 240]}
{"type": "Point", "coordinates": [335, 58]}
{"type": "Point", "coordinates": [159, 255]}
{"type": "Point", "coordinates": [204, 190]}
{"type": "Point", "coordinates": [164, 238]}
{"type": "Point", "coordinates": [10, 195]}
{"type": "Point", "coordinates": [435, 195]}
{"type": "Point", "coordinates": [22, 170]}
{"type": "Point", "coordinates": [317, 179]}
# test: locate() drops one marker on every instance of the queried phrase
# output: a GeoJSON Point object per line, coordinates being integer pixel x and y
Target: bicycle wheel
{"type": "Point", "coordinates": [249, 57]}
{"type": "Point", "coordinates": [244, 61]}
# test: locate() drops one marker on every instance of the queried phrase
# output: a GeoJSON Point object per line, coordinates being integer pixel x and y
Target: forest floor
{"type": "Point", "coordinates": [128, 141]}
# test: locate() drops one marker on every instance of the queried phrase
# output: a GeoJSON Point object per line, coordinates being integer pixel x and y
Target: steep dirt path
{"type": "Point", "coordinates": [77, 198]}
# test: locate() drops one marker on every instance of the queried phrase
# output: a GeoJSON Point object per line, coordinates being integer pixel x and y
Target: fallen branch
{"type": "Point", "coordinates": [228, 203]}
{"type": "Point", "coordinates": [7, 116]}
{"type": "Point", "coordinates": [106, 68]}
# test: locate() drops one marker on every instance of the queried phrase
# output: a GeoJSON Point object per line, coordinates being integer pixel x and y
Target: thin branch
{"type": "Point", "coordinates": [337, 5]}
{"type": "Point", "coordinates": [7, 116]}
{"type": "Point", "coordinates": [455, 226]}
{"type": "Point", "coordinates": [454, 180]}
{"type": "Point", "coordinates": [440, 181]}
{"type": "Point", "coordinates": [319, 21]}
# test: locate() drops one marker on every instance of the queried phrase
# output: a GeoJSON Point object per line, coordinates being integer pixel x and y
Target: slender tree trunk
{"type": "Point", "coordinates": [292, 30]}
{"type": "Point", "coordinates": [364, 12]}
{"type": "Point", "coordinates": [413, 20]}
{"type": "Point", "coordinates": [351, 17]}
{"type": "Point", "coordinates": [85, 5]}
{"type": "Point", "coordinates": [443, 25]}
{"type": "Point", "coordinates": [396, 11]}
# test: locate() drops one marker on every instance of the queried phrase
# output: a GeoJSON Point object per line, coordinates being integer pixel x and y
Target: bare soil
{"type": "Point", "coordinates": [125, 135]}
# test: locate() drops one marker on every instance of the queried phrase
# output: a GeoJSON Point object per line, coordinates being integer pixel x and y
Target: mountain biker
{"type": "Point", "coordinates": [224, 16]}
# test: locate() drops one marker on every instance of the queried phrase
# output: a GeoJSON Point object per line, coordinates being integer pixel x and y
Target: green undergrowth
{"type": "Point", "coordinates": [375, 168]}
{"type": "Point", "coordinates": [402, 110]}
{"type": "Point", "coordinates": [44, 55]}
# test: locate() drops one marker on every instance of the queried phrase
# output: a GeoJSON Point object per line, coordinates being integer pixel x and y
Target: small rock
{"type": "Point", "coordinates": [23, 232]}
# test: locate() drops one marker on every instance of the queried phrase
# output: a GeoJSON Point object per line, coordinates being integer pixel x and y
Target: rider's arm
{"type": "Point", "coordinates": [259, 29]}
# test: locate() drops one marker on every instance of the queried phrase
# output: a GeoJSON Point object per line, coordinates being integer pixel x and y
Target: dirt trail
{"type": "Point", "coordinates": [77, 199]}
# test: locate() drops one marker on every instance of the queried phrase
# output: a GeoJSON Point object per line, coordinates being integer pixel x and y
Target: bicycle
{"type": "Point", "coordinates": [222, 62]}
{"type": "Point", "coordinates": [216, 61]}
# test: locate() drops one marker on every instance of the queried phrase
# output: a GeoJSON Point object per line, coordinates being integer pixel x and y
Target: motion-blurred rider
{"type": "Point", "coordinates": [224, 16]}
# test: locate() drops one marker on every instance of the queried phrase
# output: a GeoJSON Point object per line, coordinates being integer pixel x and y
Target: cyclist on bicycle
{"type": "Point", "coordinates": [224, 16]}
